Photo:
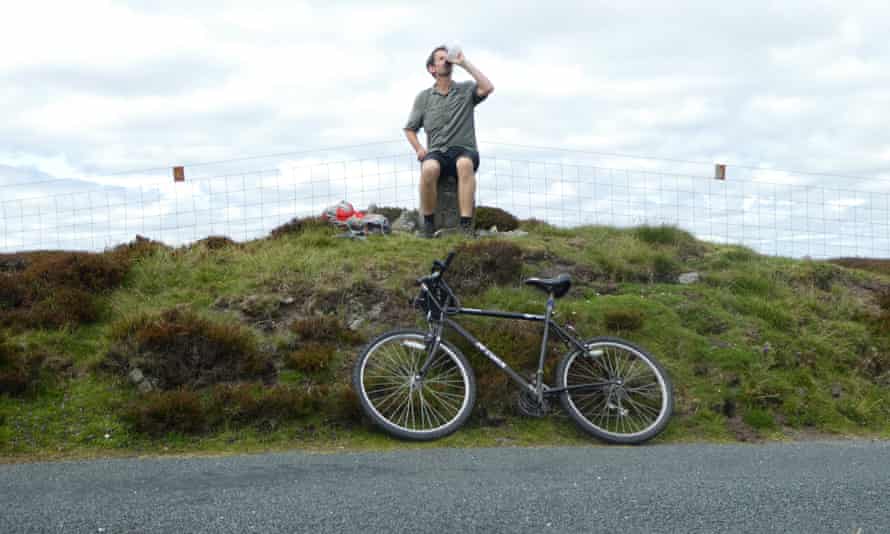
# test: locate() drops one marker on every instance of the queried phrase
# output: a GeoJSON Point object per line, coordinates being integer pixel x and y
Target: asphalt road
{"type": "Point", "coordinates": [802, 487]}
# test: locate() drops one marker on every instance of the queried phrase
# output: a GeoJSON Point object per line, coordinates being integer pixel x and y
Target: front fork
{"type": "Point", "coordinates": [433, 340]}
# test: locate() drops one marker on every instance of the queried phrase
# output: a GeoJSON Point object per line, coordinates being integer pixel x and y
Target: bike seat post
{"type": "Point", "coordinates": [539, 378]}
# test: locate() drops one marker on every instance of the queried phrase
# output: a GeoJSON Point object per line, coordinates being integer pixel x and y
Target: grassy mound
{"type": "Point", "coordinates": [245, 346]}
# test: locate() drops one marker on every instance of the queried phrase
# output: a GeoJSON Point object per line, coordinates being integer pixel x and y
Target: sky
{"type": "Point", "coordinates": [94, 93]}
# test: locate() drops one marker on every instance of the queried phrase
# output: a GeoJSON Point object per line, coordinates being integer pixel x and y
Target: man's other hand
{"type": "Point", "coordinates": [421, 154]}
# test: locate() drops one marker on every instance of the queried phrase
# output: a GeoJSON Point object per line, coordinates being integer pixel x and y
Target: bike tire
{"type": "Point", "coordinates": [631, 413]}
{"type": "Point", "coordinates": [432, 409]}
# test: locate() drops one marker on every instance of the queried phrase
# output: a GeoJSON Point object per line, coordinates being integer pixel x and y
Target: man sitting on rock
{"type": "Point", "coordinates": [445, 112]}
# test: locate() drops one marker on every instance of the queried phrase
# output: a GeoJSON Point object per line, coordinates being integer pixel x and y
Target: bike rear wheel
{"type": "Point", "coordinates": [385, 380]}
{"type": "Point", "coordinates": [616, 391]}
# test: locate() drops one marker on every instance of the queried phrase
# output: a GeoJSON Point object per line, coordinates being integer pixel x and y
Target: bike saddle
{"type": "Point", "coordinates": [559, 286]}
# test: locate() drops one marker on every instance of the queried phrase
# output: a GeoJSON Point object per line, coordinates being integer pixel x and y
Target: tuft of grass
{"type": "Point", "coordinates": [139, 248]}
{"type": "Point", "coordinates": [163, 412]}
{"type": "Point", "coordinates": [312, 357]}
{"type": "Point", "coordinates": [177, 349]}
{"type": "Point", "coordinates": [487, 216]}
{"type": "Point", "coordinates": [759, 419]}
{"type": "Point", "coordinates": [215, 242]}
{"type": "Point", "coordinates": [17, 372]}
{"type": "Point", "coordinates": [390, 213]}
{"type": "Point", "coordinates": [685, 244]}
{"type": "Point", "coordinates": [300, 225]}
{"type": "Point", "coordinates": [880, 266]}
{"type": "Point", "coordinates": [486, 263]}
{"type": "Point", "coordinates": [665, 268]}
{"type": "Point", "coordinates": [623, 320]}
{"type": "Point", "coordinates": [54, 289]}
{"type": "Point", "coordinates": [325, 328]}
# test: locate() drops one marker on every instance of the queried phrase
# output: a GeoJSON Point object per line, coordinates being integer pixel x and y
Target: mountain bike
{"type": "Point", "coordinates": [416, 385]}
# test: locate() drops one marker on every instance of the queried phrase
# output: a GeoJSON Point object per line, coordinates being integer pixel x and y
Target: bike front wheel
{"type": "Point", "coordinates": [615, 391]}
{"type": "Point", "coordinates": [391, 394]}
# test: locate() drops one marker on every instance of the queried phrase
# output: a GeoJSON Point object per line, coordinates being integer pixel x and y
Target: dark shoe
{"type": "Point", "coordinates": [468, 231]}
{"type": "Point", "coordinates": [428, 230]}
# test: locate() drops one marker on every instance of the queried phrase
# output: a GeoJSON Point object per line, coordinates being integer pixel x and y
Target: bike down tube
{"type": "Point", "coordinates": [539, 377]}
{"type": "Point", "coordinates": [490, 355]}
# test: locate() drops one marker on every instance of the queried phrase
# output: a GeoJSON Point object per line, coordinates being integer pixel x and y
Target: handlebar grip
{"type": "Point", "coordinates": [450, 257]}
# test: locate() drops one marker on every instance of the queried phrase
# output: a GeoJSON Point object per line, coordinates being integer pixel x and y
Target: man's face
{"type": "Point", "coordinates": [440, 64]}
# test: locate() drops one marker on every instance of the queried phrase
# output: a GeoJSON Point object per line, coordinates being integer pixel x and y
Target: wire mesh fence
{"type": "Point", "coordinates": [774, 212]}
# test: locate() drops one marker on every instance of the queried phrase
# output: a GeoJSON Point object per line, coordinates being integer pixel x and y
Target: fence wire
{"type": "Point", "coordinates": [771, 212]}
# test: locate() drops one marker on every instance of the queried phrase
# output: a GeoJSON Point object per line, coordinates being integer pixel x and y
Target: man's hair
{"type": "Point", "coordinates": [430, 61]}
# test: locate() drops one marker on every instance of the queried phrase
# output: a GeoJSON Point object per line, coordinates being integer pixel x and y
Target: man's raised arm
{"type": "Point", "coordinates": [484, 87]}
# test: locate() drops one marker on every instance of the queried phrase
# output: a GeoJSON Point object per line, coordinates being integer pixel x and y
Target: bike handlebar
{"type": "Point", "coordinates": [439, 268]}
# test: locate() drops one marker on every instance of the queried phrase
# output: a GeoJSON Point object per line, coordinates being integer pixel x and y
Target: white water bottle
{"type": "Point", "coordinates": [453, 50]}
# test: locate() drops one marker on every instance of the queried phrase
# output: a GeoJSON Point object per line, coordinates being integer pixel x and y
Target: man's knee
{"type": "Point", "coordinates": [430, 169]}
{"type": "Point", "coordinates": [464, 167]}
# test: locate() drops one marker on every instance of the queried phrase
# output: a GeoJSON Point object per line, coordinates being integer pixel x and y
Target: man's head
{"type": "Point", "coordinates": [437, 64]}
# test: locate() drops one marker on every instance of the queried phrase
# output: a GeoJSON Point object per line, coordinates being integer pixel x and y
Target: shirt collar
{"type": "Point", "coordinates": [436, 91]}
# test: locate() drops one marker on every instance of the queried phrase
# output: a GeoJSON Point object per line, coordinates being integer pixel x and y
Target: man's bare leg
{"type": "Point", "coordinates": [466, 187]}
{"type": "Point", "coordinates": [429, 176]}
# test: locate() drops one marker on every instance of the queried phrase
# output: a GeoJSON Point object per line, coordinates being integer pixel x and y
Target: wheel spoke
{"type": "Point", "coordinates": [432, 403]}
{"type": "Point", "coordinates": [631, 396]}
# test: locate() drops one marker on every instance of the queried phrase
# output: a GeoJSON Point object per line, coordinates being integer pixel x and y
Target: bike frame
{"type": "Point", "coordinates": [439, 318]}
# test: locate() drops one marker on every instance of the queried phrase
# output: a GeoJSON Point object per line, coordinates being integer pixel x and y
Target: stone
{"type": "Point", "coordinates": [375, 312]}
{"type": "Point", "coordinates": [689, 278]}
{"type": "Point", "coordinates": [407, 221]}
{"type": "Point", "coordinates": [145, 386]}
{"type": "Point", "coordinates": [836, 391]}
{"type": "Point", "coordinates": [515, 233]}
{"type": "Point", "coordinates": [136, 376]}
{"type": "Point", "coordinates": [447, 212]}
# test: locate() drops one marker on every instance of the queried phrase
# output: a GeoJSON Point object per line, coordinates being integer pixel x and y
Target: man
{"type": "Point", "coordinates": [445, 112]}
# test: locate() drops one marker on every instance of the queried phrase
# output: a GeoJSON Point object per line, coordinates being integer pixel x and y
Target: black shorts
{"type": "Point", "coordinates": [448, 159]}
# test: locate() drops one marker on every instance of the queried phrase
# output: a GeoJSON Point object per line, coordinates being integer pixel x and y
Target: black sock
{"type": "Point", "coordinates": [429, 219]}
{"type": "Point", "coordinates": [466, 221]}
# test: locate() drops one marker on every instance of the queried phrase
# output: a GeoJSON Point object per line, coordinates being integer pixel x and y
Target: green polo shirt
{"type": "Point", "coordinates": [447, 119]}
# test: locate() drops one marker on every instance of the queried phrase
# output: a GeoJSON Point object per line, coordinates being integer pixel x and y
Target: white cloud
{"type": "Point", "coordinates": [99, 88]}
